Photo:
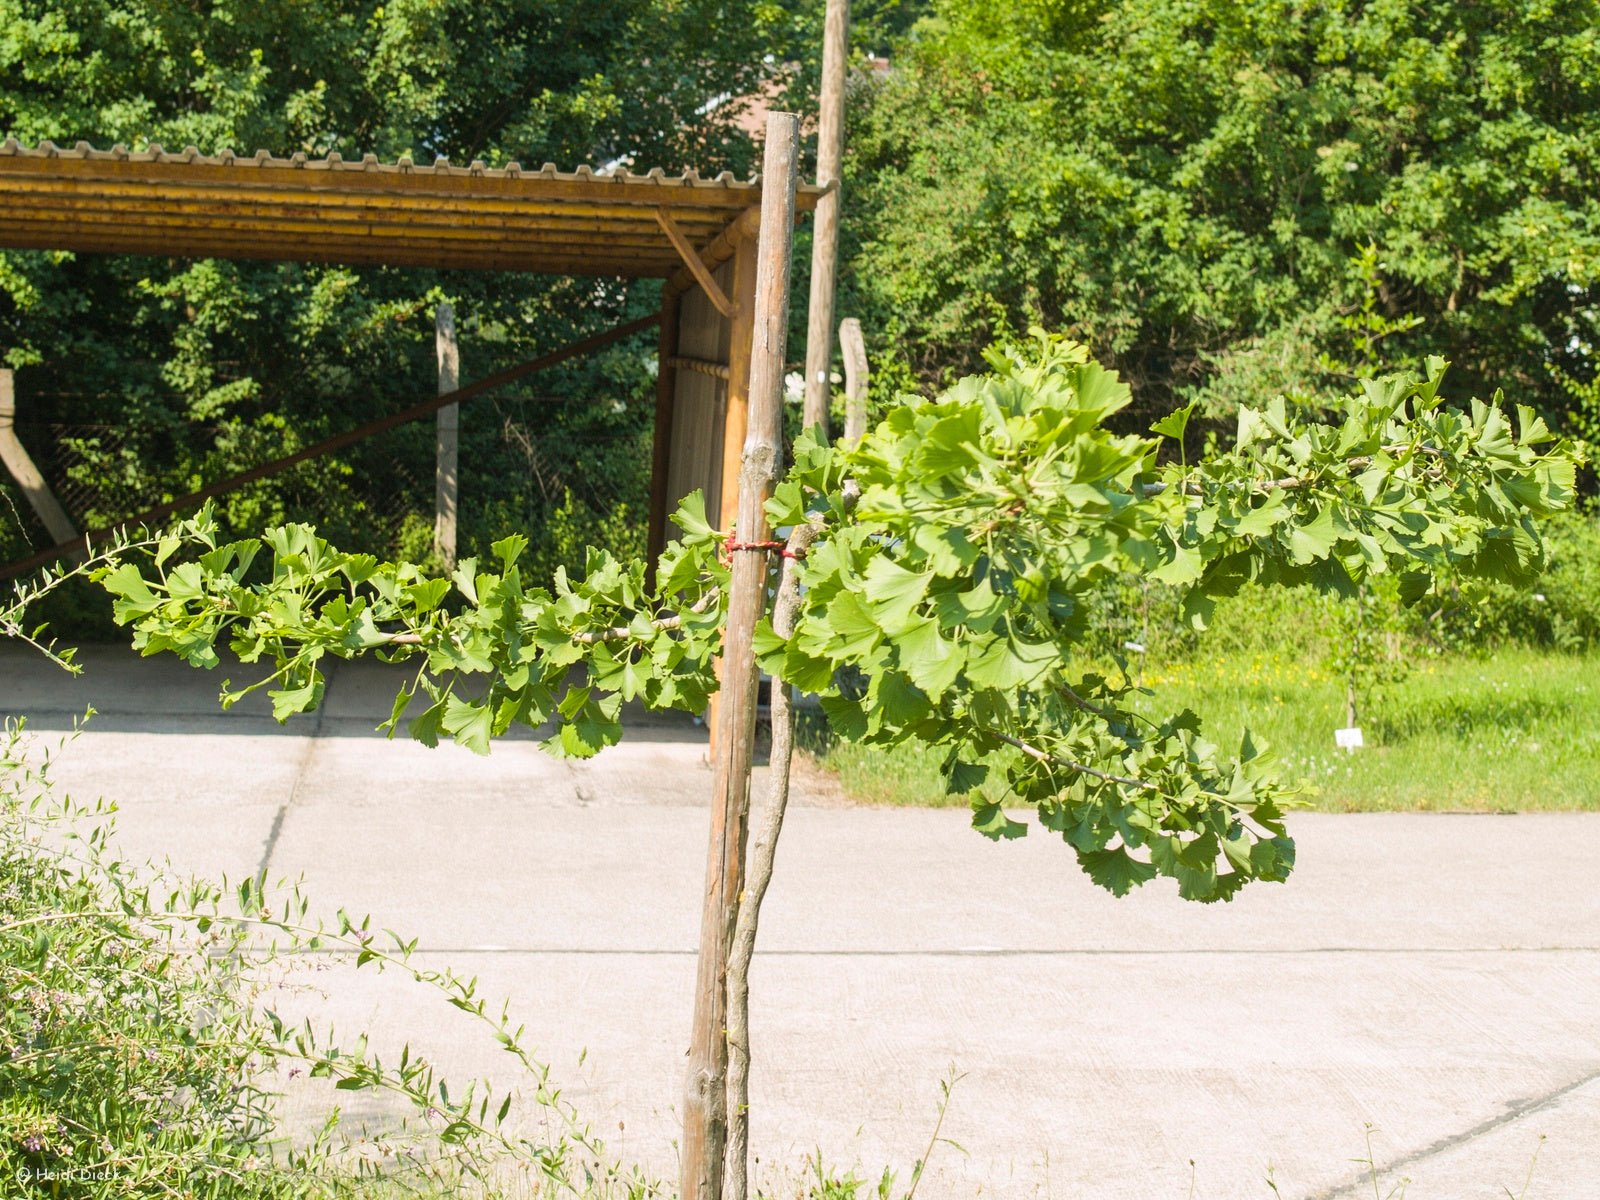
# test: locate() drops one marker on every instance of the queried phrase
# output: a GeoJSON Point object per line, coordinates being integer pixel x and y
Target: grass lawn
{"type": "Point", "coordinates": [1518, 730]}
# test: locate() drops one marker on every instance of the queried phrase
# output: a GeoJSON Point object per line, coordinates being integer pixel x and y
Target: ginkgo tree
{"type": "Point", "coordinates": [955, 560]}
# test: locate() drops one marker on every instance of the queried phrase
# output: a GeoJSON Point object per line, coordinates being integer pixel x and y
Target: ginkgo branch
{"type": "Point", "coordinates": [1039, 755]}
{"type": "Point", "coordinates": [1291, 483]}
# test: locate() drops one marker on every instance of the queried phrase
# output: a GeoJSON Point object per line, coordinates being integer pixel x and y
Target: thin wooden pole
{"type": "Point", "coordinates": [17, 460]}
{"type": "Point", "coordinates": [854, 347]}
{"type": "Point", "coordinates": [705, 1116]}
{"type": "Point", "coordinates": [447, 437]}
{"type": "Point", "coordinates": [825, 226]}
{"type": "Point", "coordinates": [735, 415]}
{"type": "Point", "coordinates": [763, 858]}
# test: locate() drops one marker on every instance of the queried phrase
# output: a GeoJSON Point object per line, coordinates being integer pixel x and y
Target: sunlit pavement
{"type": "Point", "coordinates": [1434, 976]}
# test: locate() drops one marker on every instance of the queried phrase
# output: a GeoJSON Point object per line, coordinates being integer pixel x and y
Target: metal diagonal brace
{"type": "Point", "coordinates": [691, 259]}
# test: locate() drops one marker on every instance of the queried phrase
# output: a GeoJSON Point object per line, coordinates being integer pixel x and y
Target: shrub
{"type": "Point", "coordinates": [1561, 611]}
{"type": "Point", "coordinates": [138, 1053]}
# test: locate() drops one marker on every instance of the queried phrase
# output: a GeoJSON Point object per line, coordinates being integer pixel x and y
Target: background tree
{"type": "Point", "coordinates": [1184, 188]}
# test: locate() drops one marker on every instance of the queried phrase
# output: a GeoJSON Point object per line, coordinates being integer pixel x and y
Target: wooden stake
{"type": "Point", "coordinates": [447, 437]}
{"type": "Point", "coordinates": [735, 421]}
{"type": "Point", "coordinates": [705, 1117]}
{"type": "Point", "coordinates": [825, 227]}
{"type": "Point", "coordinates": [763, 857]}
{"type": "Point", "coordinates": [854, 347]}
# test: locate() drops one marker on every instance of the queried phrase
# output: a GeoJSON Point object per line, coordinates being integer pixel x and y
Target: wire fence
{"type": "Point", "coordinates": [566, 472]}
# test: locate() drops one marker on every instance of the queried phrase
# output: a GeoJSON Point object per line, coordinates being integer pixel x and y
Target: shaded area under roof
{"type": "Point", "coordinates": [189, 205]}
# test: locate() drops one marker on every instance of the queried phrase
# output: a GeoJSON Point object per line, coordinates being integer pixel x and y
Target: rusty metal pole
{"type": "Point", "coordinates": [447, 435]}
{"type": "Point", "coordinates": [825, 224]}
{"type": "Point", "coordinates": [705, 1115]}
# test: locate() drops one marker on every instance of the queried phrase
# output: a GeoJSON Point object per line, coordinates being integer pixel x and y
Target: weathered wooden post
{"type": "Point", "coordinates": [825, 225]}
{"type": "Point", "coordinates": [705, 1115]}
{"type": "Point", "coordinates": [854, 347]}
{"type": "Point", "coordinates": [17, 461]}
{"type": "Point", "coordinates": [447, 437]}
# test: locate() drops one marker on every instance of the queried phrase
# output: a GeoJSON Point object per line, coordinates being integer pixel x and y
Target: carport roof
{"type": "Point", "coordinates": [189, 205]}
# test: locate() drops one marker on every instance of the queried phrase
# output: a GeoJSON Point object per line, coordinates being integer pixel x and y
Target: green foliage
{"type": "Point", "coordinates": [25, 616]}
{"type": "Point", "coordinates": [962, 549]}
{"type": "Point", "coordinates": [1561, 610]}
{"type": "Point", "coordinates": [1188, 187]}
{"type": "Point", "coordinates": [141, 1053]}
{"type": "Point", "coordinates": [962, 582]}
{"type": "Point", "coordinates": [502, 654]}
{"type": "Point", "coordinates": [121, 1052]}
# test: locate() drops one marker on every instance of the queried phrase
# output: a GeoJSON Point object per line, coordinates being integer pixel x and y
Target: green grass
{"type": "Point", "coordinates": [1516, 731]}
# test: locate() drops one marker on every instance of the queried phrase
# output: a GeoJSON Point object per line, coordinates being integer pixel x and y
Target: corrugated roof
{"type": "Point", "coordinates": [190, 205]}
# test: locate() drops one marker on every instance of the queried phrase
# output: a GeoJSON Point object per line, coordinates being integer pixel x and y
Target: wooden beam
{"type": "Point", "coordinates": [854, 347]}
{"type": "Point", "coordinates": [661, 438]}
{"type": "Point", "coordinates": [691, 259]}
{"type": "Point", "coordinates": [374, 252]}
{"type": "Point", "coordinates": [825, 229]}
{"type": "Point", "coordinates": [340, 441]}
{"type": "Point", "coordinates": [447, 437]}
{"type": "Point", "coordinates": [720, 249]}
{"type": "Point", "coordinates": [168, 225]}
{"type": "Point", "coordinates": [421, 181]}
{"type": "Point", "coordinates": [705, 1114]}
{"type": "Point", "coordinates": [17, 460]}
{"type": "Point", "coordinates": [68, 196]}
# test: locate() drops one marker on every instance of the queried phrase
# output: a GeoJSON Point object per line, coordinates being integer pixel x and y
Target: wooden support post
{"type": "Point", "coordinates": [445, 477]}
{"type": "Point", "coordinates": [854, 347]}
{"type": "Point", "coordinates": [705, 1116]}
{"type": "Point", "coordinates": [825, 226]}
{"type": "Point", "coordinates": [736, 412]}
{"type": "Point", "coordinates": [56, 522]}
{"type": "Point", "coordinates": [735, 415]}
{"type": "Point", "coordinates": [661, 443]}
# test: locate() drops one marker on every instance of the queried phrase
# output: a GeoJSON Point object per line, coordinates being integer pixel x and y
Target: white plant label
{"type": "Point", "coordinates": [1348, 739]}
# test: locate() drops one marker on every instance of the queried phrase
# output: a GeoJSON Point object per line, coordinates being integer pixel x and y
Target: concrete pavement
{"type": "Point", "coordinates": [1437, 977]}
